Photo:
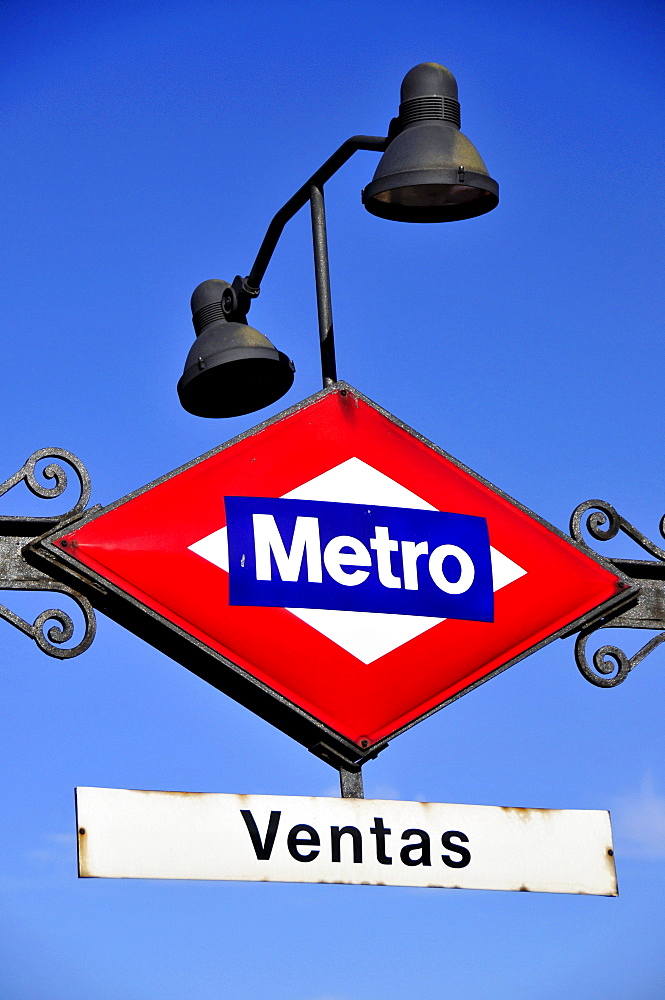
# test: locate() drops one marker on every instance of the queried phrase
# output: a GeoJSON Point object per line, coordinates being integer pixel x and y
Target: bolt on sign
{"type": "Point", "coordinates": [280, 838]}
{"type": "Point", "coordinates": [334, 572]}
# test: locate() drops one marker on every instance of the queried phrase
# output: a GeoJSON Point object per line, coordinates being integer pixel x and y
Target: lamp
{"type": "Point", "coordinates": [429, 172]}
{"type": "Point", "coordinates": [231, 368]}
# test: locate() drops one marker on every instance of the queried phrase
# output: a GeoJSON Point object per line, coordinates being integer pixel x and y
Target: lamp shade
{"type": "Point", "coordinates": [231, 368]}
{"type": "Point", "coordinates": [430, 171]}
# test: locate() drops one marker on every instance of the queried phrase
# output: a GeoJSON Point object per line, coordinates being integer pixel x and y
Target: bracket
{"type": "Point", "coordinates": [610, 665]}
{"type": "Point", "coordinates": [17, 573]}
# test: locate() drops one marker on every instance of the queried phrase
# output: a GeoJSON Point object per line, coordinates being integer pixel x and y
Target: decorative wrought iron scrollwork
{"type": "Point", "coordinates": [53, 471]}
{"type": "Point", "coordinates": [16, 573]}
{"type": "Point", "coordinates": [602, 512]}
{"type": "Point", "coordinates": [608, 659]}
{"type": "Point", "coordinates": [610, 665]}
{"type": "Point", "coordinates": [62, 631]}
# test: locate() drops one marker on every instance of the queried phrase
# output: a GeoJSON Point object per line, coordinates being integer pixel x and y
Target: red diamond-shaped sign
{"type": "Point", "coordinates": [164, 557]}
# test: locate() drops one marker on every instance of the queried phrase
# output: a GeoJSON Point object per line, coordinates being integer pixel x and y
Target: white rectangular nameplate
{"type": "Point", "coordinates": [280, 838]}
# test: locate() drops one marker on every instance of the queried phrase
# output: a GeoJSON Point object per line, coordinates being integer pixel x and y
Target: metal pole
{"type": "Point", "coordinates": [351, 784]}
{"type": "Point", "coordinates": [322, 274]}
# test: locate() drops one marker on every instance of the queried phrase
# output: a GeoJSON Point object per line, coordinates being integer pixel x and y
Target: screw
{"type": "Point", "coordinates": [610, 852]}
{"type": "Point", "coordinates": [64, 543]}
{"type": "Point", "coordinates": [81, 830]}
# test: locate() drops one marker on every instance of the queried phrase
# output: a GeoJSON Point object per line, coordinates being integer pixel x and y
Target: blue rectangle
{"type": "Point", "coordinates": [355, 557]}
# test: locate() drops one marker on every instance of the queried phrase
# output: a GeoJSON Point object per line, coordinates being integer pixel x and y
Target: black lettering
{"type": "Point", "coordinates": [465, 855]}
{"type": "Point", "coordinates": [336, 835]}
{"type": "Point", "coordinates": [297, 838]}
{"type": "Point", "coordinates": [262, 849]}
{"type": "Point", "coordinates": [381, 832]}
{"type": "Point", "coordinates": [423, 846]}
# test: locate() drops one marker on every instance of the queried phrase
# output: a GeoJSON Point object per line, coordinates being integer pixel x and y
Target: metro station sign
{"type": "Point", "coordinates": [335, 572]}
{"type": "Point", "coordinates": [124, 833]}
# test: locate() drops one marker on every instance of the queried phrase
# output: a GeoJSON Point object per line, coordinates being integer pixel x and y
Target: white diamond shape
{"type": "Point", "coordinates": [367, 635]}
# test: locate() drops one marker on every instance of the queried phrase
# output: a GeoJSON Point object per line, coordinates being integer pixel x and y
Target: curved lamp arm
{"type": "Point", "coordinates": [373, 143]}
{"type": "Point", "coordinates": [237, 298]}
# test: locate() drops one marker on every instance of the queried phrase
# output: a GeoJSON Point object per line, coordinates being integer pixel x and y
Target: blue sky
{"type": "Point", "coordinates": [146, 147]}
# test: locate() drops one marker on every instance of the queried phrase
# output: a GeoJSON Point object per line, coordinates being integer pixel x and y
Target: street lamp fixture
{"type": "Point", "coordinates": [231, 367]}
{"type": "Point", "coordinates": [429, 172]}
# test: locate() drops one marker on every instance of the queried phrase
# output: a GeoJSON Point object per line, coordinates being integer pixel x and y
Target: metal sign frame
{"type": "Point", "coordinates": [221, 672]}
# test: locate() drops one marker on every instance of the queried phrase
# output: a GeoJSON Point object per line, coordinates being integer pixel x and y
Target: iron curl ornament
{"type": "Point", "coordinates": [610, 665]}
{"type": "Point", "coordinates": [603, 513]}
{"type": "Point", "coordinates": [29, 473]}
{"type": "Point", "coordinates": [47, 482]}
